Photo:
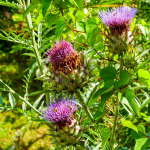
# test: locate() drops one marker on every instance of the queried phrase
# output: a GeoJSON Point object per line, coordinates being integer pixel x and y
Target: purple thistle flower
{"type": "Point", "coordinates": [118, 20]}
{"type": "Point", "coordinates": [60, 111]}
{"type": "Point", "coordinates": [63, 57]}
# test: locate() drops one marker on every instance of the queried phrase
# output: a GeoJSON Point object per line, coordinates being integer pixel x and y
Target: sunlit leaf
{"type": "Point", "coordinates": [144, 77]}
{"type": "Point", "coordinates": [30, 8]}
{"type": "Point", "coordinates": [79, 3]}
{"type": "Point", "coordinates": [90, 26]}
{"type": "Point", "coordinates": [108, 73]}
{"type": "Point", "coordinates": [60, 26]}
{"type": "Point", "coordinates": [50, 17]}
{"type": "Point", "coordinates": [129, 94]}
{"type": "Point", "coordinates": [124, 79]}
{"type": "Point", "coordinates": [141, 139]}
{"type": "Point", "coordinates": [105, 135]}
{"type": "Point", "coordinates": [45, 4]}
{"type": "Point", "coordinates": [142, 143]}
{"type": "Point", "coordinates": [129, 124]}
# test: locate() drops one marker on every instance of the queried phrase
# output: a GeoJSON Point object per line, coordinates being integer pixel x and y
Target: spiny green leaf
{"type": "Point", "coordinates": [10, 36]}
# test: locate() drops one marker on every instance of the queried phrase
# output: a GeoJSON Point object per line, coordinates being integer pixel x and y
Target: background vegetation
{"type": "Point", "coordinates": [16, 61]}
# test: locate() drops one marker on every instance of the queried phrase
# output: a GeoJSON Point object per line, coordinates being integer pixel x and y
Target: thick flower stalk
{"type": "Point", "coordinates": [63, 57]}
{"type": "Point", "coordinates": [65, 128]}
{"type": "Point", "coordinates": [118, 20]}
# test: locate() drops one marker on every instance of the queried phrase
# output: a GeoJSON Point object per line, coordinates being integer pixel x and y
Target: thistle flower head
{"type": "Point", "coordinates": [60, 111]}
{"type": "Point", "coordinates": [118, 20]}
{"type": "Point", "coordinates": [63, 57]}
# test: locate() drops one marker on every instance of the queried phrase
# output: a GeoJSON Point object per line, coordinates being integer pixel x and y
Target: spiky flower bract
{"type": "Point", "coordinates": [60, 111]}
{"type": "Point", "coordinates": [63, 57]}
{"type": "Point", "coordinates": [118, 20]}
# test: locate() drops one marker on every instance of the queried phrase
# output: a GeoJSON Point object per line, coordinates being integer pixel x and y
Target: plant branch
{"type": "Point", "coordinates": [75, 29]}
{"type": "Point", "coordinates": [18, 96]}
{"type": "Point", "coordinates": [81, 100]}
{"type": "Point", "coordinates": [30, 26]}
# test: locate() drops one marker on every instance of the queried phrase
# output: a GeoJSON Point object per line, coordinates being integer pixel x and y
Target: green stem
{"type": "Point", "coordinates": [116, 113]}
{"type": "Point", "coordinates": [81, 100]}
{"type": "Point", "coordinates": [114, 126]}
{"type": "Point", "coordinates": [87, 111]}
{"type": "Point", "coordinates": [34, 43]}
{"type": "Point", "coordinates": [18, 96]}
{"type": "Point", "coordinates": [121, 67]}
{"type": "Point", "coordinates": [30, 26]}
{"type": "Point", "coordinates": [47, 94]}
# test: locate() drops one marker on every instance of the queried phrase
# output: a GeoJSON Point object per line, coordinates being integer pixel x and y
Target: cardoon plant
{"type": "Point", "coordinates": [68, 71]}
{"type": "Point", "coordinates": [109, 105]}
{"type": "Point", "coordinates": [74, 73]}
{"type": "Point", "coordinates": [118, 20]}
{"type": "Point", "coordinates": [64, 127]}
